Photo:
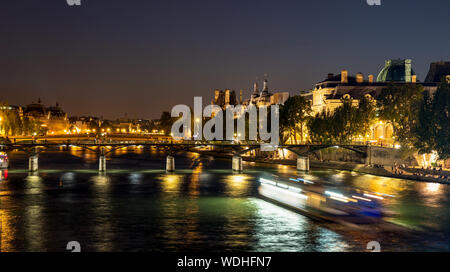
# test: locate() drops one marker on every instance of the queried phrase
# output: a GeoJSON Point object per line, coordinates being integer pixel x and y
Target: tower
{"type": "Point", "coordinates": [344, 76]}
{"type": "Point", "coordinates": [265, 88]}
{"type": "Point", "coordinates": [408, 70]}
{"type": "Point", "coordinates": [265, 95]}
{"type": "Point", "coordinates": [255, 93]}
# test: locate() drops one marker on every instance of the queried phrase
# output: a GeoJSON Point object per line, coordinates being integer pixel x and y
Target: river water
{"type": "Point", "coordinates": [203, 206]}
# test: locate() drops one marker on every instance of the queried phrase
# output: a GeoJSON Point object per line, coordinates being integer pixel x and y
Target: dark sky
{"type": "Point", "coordinates": [111, 57]}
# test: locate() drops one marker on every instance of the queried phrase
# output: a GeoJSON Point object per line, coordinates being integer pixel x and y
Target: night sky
{"type": "Point", "coordinates": [140, 57]}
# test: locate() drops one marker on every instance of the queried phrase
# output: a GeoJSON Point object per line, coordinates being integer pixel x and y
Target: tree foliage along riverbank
{"type": "Point", "coordinates": [12, 124]}
{"type": "Point", "coordinates": [346, 124]}
{"type": "Point", "coordinates": [420, 119]}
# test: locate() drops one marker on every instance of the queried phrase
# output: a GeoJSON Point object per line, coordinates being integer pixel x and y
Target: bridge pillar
{"type": "Point", "coordinates": [236, 163]}
{"type": "Point", "coordinates": [170, 164]}
{"type": "Point", "coordinates": [303, 163]}
{"type": "Point", "coordinates": [369, 156]}
{"type": "Point", "coordinates": [33, 165]}
{"type": "Point", "coordinates": [102, 163]}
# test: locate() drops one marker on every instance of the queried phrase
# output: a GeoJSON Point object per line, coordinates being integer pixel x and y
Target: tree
{"type": "Point", "coordinates": [432, 129]}
{"type": "Point", "coordinates": [165, 122]}
{"type": "Point", "coordinates": [320, 128]}
{"type": "Point", "coordinates": [441, 118]}
{"type": "Point", "coordinates": [346, 123]}
{"type": "Point", "coordinates": [13, 124]}
{"type": "Point", "coordinates": [366, 115]}
{"type": "Point", "coordinates": [425, 128]}
{"type": "Point", "coordinates": [400, 105]}
{"type": "Point", "coordinates": [294, 114]}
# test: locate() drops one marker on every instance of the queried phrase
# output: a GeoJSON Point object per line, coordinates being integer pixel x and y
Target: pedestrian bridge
{"type": "Point", "coordinates": [104, 146]}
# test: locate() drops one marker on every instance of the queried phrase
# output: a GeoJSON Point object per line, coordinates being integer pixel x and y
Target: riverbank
{"type": "Point", "coordinates": [378, 171]}
{"type": "Point", "coordinates": [347, 166]}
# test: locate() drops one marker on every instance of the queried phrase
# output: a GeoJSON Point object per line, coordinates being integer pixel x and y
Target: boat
{"type": "Point", "coordinates": [324, 202]}
{"type": "Point", "coordinates": [4, 163]}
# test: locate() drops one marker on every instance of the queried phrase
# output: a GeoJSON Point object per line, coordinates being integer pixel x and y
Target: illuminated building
{"type": "Point", "coordinates": [279, 98]}
{"type": "Point", "coordinates": [327, 95]}
{"type": "Point", "coordinates": [261, 98]}
{"type": "Point", "coordinates": [258, 98]}
{"type": "Point", "coordinates": [266, 98]}
{"type": "Point", "coordinates": [53, 118]}
{"type": "Point", "coordinates": [397, 71]}
{"type": "Point", "coordinates": [225, 98]}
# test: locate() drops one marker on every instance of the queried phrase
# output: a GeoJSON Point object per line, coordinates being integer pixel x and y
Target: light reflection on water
{"type": "Point", "coordinates": [136, 206]}
{"type": "Point", "coordinates": [298, 232]}
{"type": "Point", "coordinates": [237, 185]}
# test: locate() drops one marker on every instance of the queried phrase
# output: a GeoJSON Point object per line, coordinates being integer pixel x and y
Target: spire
{"type": "Point", "coordinates": [265, 92]}
{"type": "Point", "coordinates": [255, 88]}
{"type": "Point", "coordinates": [266, 88]}
{"type": "Point", "coordinates": [255, 93]}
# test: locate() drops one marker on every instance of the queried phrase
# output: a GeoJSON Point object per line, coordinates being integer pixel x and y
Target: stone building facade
{"type": "Point", "coordinates": [53, 118]}
{"type": "Point", "coordinates": [327, 94]}
{"type": "Point", "coordinates": [263, 97]}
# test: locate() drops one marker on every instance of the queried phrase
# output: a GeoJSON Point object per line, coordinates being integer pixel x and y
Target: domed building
{"type": "Point", "coordinates": [53, 118]}
{"type": "Point", "coordinates": [397, 71]}
{"type": "Point", "coordinates": [36, 110]}
{"type": "Point", "coordinates": [327, 94]}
